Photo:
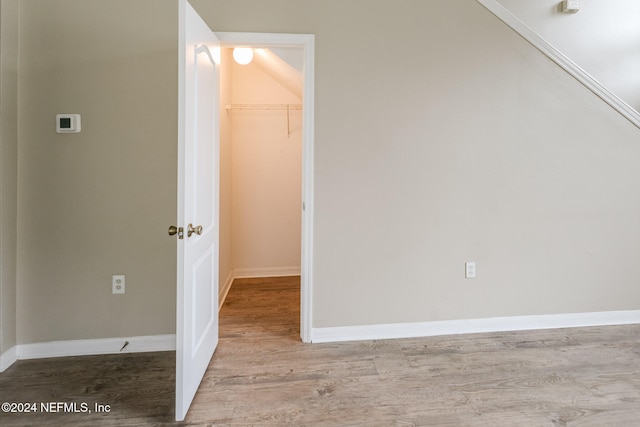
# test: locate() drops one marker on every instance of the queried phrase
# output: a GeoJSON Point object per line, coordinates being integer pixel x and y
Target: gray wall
{"type": "Point", "coordinates": [441, 137]}
{"type": "Point", "coordinates": [97, 203]}
{"type": "Point", "coordinates": [444, 137]}
{"type": "Point", "coordinates": [9, 12]}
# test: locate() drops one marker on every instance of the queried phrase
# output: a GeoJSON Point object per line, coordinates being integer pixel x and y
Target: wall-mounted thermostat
{"type": "Point", "coordinates": [68, 123]}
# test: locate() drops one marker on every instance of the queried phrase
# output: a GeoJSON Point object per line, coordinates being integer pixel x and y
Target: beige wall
{"type": "Point", "coordinates": [442, 137]}
{"type": "Point", "coordinates": [9, 15]}
{"type": "Point", "coordinates": [267, 175]}
{"type": "Point", "coordinates": [226, 217]}
{"type": "Point", "coordinates": [97, 203]}
{"type": "Point", "coordinates": [602, 38]}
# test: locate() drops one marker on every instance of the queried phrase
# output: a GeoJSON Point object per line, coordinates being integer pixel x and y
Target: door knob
{"type": "Point", "coordinates": [191, 229]}
{"type": "Point", "coordinates": [173, 230]}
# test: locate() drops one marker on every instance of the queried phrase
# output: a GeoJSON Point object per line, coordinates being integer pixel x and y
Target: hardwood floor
{"type": "Point", "coordinates": [138, 387]}
{"type": "Point", "coordinates": [262, 374]}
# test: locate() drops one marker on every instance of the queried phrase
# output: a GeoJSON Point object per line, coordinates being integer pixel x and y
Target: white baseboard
{"type": "Point", "coordinates": [249, 273]}
{"type": "Point", "coordinates": [96, 346]}
{"type": "Point", "coordinates": [8, 358]}
{"type": "Point", "coordinates": [455, 327]}
{"type": "Point", "coordinates": [224, 290]}
{"type": "Point", "coordinates": [246, 273]}
{"type": "Point", "coordinates": [136, 344]}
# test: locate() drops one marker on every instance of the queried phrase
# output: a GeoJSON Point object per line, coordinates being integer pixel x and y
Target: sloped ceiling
{"type": "Point", "coordinates": [283, 65]}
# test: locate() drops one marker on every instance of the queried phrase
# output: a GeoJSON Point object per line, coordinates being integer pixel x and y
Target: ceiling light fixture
{"type": "Point", "coordinates": [243, 55]}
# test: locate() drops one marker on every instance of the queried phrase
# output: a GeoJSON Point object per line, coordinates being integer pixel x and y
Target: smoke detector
{"type": "Point", "coordinates": [570, 6]}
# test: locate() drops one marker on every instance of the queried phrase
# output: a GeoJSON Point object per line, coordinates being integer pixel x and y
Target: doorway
{"type": "Point", "coordinates": [290, 119]}
{"type": "Point", "coordinates": [199, 153]}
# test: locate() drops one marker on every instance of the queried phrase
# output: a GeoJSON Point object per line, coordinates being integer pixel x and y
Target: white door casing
{"type": "Point", "coordinates": [306, 42]}
{"type": "Point", "coordinates": [198, 204]}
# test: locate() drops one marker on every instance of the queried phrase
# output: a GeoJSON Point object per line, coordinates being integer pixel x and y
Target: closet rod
{"type": "Point", "coordinates": [286, 107]}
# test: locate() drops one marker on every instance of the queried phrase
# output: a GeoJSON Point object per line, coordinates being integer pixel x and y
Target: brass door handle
{"type": "Point", "coordinates": [191, 229]}
{"type": "Point", "coordinates": [173, 230]}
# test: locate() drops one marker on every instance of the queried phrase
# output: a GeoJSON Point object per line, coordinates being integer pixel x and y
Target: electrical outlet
{"type": "Point", "coordinates": [470, 270]}
{"type": "Point", "coordinates": [117, 284]}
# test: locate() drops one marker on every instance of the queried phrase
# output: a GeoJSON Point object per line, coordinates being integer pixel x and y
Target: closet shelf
{"type": "Point", "coordinates": [264, 107]}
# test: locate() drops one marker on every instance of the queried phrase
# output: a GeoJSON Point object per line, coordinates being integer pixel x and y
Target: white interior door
{"type": "Point", "coordinates": [198, 198]}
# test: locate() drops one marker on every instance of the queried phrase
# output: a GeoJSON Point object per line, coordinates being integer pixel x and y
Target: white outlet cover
{"type": "Point", "coordinates": [117, 284]}
{"type": "Point", "coordinates": [470, 270]}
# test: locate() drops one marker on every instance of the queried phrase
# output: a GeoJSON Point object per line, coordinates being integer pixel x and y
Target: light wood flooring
{"type": "Point", "coordinates": [262, 374]}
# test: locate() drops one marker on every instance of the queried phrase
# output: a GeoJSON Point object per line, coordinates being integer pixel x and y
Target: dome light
{"type": "Point", "coordinates": [243, 55]}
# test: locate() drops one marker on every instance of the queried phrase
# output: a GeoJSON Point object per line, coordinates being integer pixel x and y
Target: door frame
{"type": "Point", "coordinates": [306, 43]}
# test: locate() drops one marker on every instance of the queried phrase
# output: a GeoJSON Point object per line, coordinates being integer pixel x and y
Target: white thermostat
{"type": "Point", "coordinates": [68, 123]}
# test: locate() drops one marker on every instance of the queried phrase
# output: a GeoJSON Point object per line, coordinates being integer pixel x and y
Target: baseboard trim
{"type": "Point", "coordinates": [470, 326]}
{"type": "Point", "coordinates": [224, 291]}
{"type": "Point", "coordinates": [246, 273]}
{"type": "Point", "coordinates": [8, 358]}
{"type": "Point", "coordinates": [250, 273]}
{"type": "Point", "coordinates": [138, 344]}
